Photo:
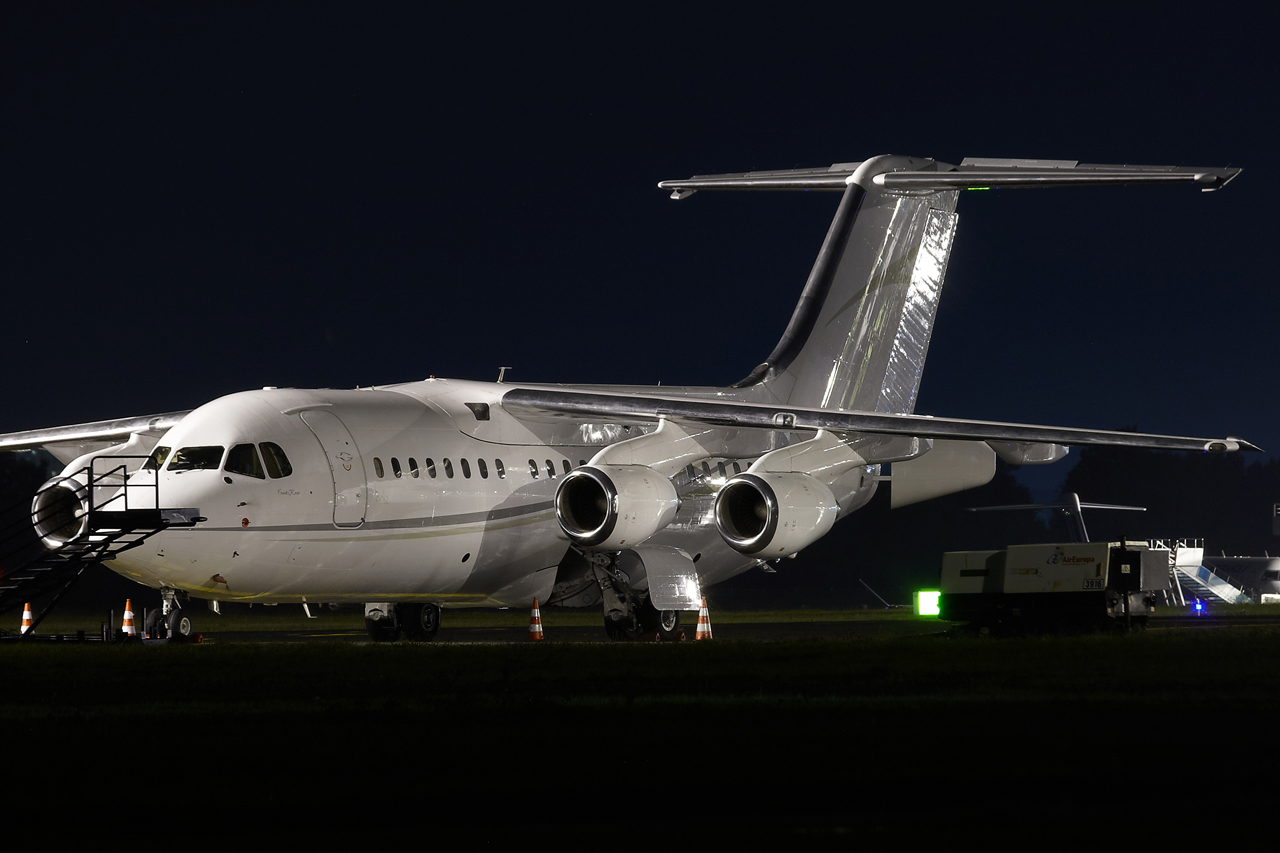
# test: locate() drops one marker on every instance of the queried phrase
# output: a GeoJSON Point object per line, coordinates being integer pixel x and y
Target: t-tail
{"type": "Point", "coordinates": [859, 335]}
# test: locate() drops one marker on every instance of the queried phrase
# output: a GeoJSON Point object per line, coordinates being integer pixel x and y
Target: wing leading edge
{"type": "Point", "coordinates": [544, 404]}
{"type": "Point", "coordinates": [88, 435]}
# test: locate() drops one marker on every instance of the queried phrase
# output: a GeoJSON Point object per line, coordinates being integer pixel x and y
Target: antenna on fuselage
{"type": "Point", "coordinates": [502, 371]}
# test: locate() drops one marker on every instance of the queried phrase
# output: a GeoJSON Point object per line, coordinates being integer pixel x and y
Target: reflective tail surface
{"type": "Point", "coordinates": [860, 333]}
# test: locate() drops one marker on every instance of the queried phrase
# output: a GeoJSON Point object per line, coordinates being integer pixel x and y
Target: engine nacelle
{"type": "Point", "coordinates": [60, 511]}
{"type": "Point", "coordinates": [611, 507]}
{"type": "Point", "coordinates": [774, 515]}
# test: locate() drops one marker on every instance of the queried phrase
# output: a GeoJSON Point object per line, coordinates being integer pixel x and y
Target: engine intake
{"type": "Point", "coordinates": [60, 511]}
{"type": "Point", "coordinates": [610, 507]}
{"type": "Point", "coordinates": [774, 514]}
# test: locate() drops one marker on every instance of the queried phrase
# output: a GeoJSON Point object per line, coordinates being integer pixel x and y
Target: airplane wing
{"type": "Point", "coordinates": [552, 404]}
{"type": "Point", "coordinates": [68, 442]}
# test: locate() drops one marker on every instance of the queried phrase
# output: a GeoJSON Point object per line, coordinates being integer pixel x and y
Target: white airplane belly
{"type": "Point", "coordinates": [462, 563]}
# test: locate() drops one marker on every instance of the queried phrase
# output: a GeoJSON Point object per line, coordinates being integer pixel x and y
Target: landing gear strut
{"type": "Point", "coordinates": [628, 613]}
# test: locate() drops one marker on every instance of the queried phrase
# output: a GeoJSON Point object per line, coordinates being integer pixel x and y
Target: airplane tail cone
{"type": "Point", "coordinates": [26, 618]}
{"type": "Point", "coordinates": [535, 622]}
{"type": "Point", "coordinates": [704, 622]}
{"type": "Point", "coordinates": [126, 625]}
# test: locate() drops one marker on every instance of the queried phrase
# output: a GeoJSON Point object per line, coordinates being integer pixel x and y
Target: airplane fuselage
{"type": "Point", "coordinates": [423, 491]}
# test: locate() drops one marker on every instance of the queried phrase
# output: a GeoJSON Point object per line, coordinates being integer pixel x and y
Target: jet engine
{"type": "Point", "coordinates": [59, 511]}
{"type": "Point", "coordinates": [774, 515]}
{"type": "Point", "coordinates": [611, 507]}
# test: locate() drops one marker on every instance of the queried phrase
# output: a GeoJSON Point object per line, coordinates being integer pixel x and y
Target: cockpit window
{"type": "Point", "coordinates": [196, 458]}
{"type": "Point", "coordinates": [277, 463]}
{"type": "Point", "coordinates": [157, 459]}
{"type": "Point", "coordinates": [243, 459]}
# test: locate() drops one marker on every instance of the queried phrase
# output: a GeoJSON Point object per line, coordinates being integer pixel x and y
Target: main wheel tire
{"type": "Point", "coordinates": [419, 621]}
{"type": "Point", "coordinates": [381, 630]}
{"type": "Point", "coordinates": [664, 623]}
{"type": "Point", "coordinates": [179, 626]}
{"type": "Point", "coordinates": [621, 630]}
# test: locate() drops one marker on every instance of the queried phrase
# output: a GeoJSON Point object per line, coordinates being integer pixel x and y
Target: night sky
{"type": "Point", "coordinates": [197, 203]}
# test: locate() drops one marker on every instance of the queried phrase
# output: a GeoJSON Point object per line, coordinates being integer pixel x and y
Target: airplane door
{"type": "Point", "coordinates": [350, 491]}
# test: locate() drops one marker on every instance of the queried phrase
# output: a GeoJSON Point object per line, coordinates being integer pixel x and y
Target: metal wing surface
{"type": "Point", "coordinates": [72, 441]}
{"type": "Point", "coordinates": [551, 404]}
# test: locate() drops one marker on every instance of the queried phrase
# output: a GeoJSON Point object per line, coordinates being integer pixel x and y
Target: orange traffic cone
{"type": "Point", "coordinates": [126, 626]}
{"type": "Point", "coordinates": [26, 618]}
{"type": "Point", "coordinates": [535, 623]}
{"type": "Point", "coordinates": [704, 622]}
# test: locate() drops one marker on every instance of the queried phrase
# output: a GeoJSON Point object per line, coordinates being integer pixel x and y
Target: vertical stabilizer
{"type": "Point", "coordinates": [859, 335]}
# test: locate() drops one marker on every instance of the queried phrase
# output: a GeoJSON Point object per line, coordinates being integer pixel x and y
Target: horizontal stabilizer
{"type": "Point", "coordinates": [973, 173]}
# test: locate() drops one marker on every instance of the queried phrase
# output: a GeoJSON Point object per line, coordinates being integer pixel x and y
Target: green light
{"type": "Point", "coordinates": [927, 602]}
{"type": "Point", "coordinates": [978, 188]}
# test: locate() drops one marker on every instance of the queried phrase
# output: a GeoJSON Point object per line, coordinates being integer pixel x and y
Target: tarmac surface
{"type": "Point", "coordinates": [762, 631]}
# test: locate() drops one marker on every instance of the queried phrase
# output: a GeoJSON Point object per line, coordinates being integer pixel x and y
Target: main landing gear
{"type": "Point", "coordinates": [387, 622]}
{"type": "Point", "coordinates": [628, 613]}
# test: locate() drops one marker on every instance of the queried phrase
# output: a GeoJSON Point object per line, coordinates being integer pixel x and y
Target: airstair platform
{"type": "Point", "coordinates": [101, 514]}
{"type": "Point", "coordinates": [1190, 578]}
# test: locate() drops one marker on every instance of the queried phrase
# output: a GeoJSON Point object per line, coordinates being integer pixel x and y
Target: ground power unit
{"type": "Point", "coordinates": [1052, 587]}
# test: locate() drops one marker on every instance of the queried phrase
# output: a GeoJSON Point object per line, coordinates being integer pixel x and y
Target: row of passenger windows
{"type": "Point", "coordinates": [482, 467]}
{"type": "Point", "coordinates": [243, 459]}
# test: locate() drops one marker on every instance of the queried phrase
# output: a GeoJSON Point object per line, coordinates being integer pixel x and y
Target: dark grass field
{"type": "Point", "coordinates": [820, 739]}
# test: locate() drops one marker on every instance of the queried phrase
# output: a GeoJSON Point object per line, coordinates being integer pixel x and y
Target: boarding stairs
{"type": "Point", "coordinates": [103, 511]}
{"type": "Point", "coordinates": [1190, 579]}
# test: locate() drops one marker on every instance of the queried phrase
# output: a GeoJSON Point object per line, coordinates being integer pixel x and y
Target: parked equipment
{"type": "Point", "coordinates": [1056, 586]}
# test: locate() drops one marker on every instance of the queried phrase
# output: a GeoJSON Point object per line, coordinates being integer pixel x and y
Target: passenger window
{"type": "Point", "coordinates": [466, 468]}
{"type": "Point", "coordinates": [377, 467]}
{"type": "Point", "coordinates": [497, 466]}
{"type": "Point", "coordinates": [395, 467]}
{"type": "Point", "coordinates": [551, 470]}
{"type": "Point", "coordinates": [484, 469]}
{"type": "Point", "coordinates": [693, 475]}
{"type": "Point", "coordinates": [413, 468]}
{"type": "Point", "coordinates": [430, 466]}
{"type": "Point", "coordinates": [196, 459]}
{"type": "Point", "coordinates": [737, 469]}
{"type": "Point", "coordinates": [720, 468]}
{"type": "Point", "coordinates": [581, 462]}
{"type": "Point", "coordinates": [533, 468]}
{"type": "Point", "coordinates": [243, 459]}
{"type": "Point", "coordinates": [706, 470]}
{"type": "Point", "coordinates": [566, 466]}
{"type": "Point", "coordinates": [277, 463]}
{"type": "Point", "coordinates": [448, 469]}
{"type": "Point", "coordinates": [156, 460]}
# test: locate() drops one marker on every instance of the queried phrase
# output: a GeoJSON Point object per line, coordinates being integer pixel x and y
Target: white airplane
{"type": "Point", "coordinates": [442, 493]}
